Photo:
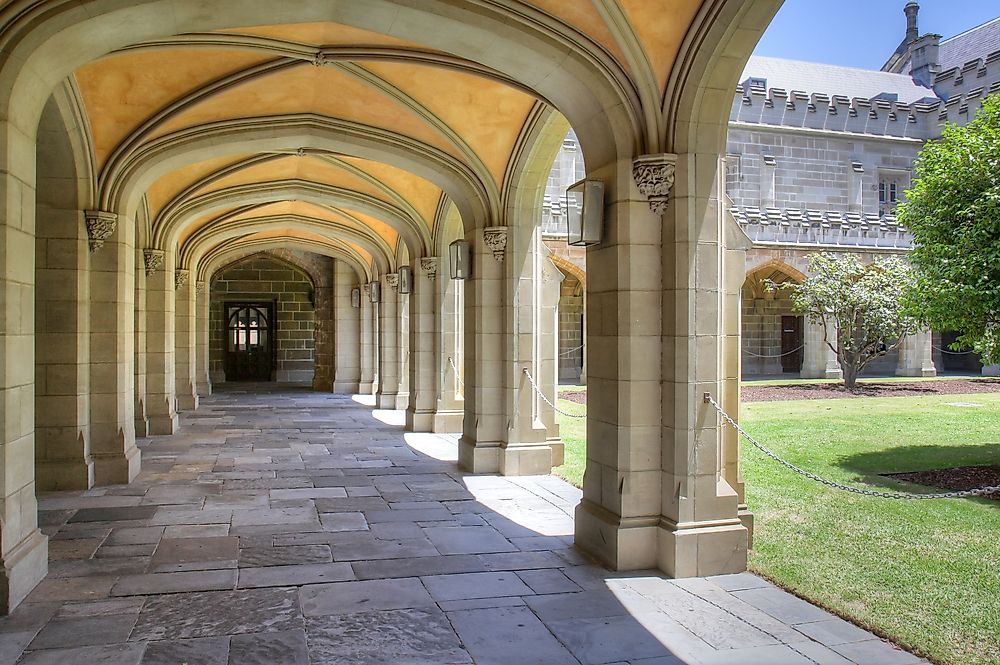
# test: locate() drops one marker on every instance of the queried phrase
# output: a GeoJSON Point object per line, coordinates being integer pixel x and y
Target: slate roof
{"type": "Point", "coordinates": [972, 44]}
{"type": "Point", "coordinates": [811, 77]}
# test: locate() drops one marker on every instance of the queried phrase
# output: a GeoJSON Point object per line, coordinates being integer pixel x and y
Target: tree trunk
{"type": "Point", "coordinates": [850, 371]}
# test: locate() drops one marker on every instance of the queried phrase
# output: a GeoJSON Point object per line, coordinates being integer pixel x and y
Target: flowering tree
{"type": "Point", "coordinates": [861, 307]}
{"type": "Point", "coordinates": [953, 212]}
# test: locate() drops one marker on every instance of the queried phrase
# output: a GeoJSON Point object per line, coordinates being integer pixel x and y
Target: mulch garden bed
{"type": "Point", "coordinates": [752, 393]}
{"type": "Point", "coordinates": [955, 479]}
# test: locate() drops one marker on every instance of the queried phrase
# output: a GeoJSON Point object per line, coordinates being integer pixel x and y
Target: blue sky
{"type": "Point", "coordinates": [862, 33]}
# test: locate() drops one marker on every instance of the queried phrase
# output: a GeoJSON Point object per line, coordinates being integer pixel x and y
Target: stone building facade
{"type": "Point", "coordinates": [817, 158]}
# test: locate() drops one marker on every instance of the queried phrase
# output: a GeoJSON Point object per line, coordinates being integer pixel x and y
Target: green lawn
{"type": "Point", "coordinates": [923, 573]}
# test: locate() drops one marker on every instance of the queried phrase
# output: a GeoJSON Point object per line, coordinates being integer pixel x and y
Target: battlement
{"type": "Point", "coordinates": [819, 227]}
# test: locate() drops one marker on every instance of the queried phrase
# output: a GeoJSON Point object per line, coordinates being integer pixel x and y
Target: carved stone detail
{"type": "Point", "coordinates": [181, 278]}
{"type": "Point", "coordinates": [654, 175]}
{"type": "Point", "coordinates": [429, 265]}
{"type": "Point", "coordinates": [153, 259]}
{"type": "Point", "coordinates": [392, 279]}
{"type": "Point", "coordinates": [367, 288]}
{"type": "Point", "coordinates": [199, 286]}
{"type": "Point", "coordinates": [100, 226]}
{"type": "Point", "coordinates": [496, 239]}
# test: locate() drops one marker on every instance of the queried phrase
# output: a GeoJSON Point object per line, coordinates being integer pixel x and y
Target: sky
{"type": "Point", "coordinates": [862, 33]}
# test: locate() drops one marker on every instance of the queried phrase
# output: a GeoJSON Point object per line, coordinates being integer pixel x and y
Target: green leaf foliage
{"type": "Point", "coordinates": [862, 307]}
{"type": "Point", "coordinates": [953, 211]}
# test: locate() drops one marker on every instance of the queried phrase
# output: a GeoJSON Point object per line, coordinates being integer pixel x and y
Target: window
{"type": "Point", "coordinates": [891, 185]}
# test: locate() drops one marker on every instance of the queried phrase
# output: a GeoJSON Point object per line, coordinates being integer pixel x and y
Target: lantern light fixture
{"type": "Point", "coordinates": [405, 279]}
{"type": "Point", "coordinates": [356, 298]}
{"type": "Point", "coordinates": [460, 259]}
{"type": "Point", "coordinates": [375, 292]}
{"type": "Point", "coordinates": [584, 205]}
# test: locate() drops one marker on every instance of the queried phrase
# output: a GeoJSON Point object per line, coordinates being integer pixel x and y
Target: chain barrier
{"type": "Point", "coordinates": [951, 353]}
{"type": "Point", "coordinates": [573, 350]}
{"type": "Point", "coordinates": [555, 408]}
{"type": "Point", "coordinates": [458, 375]}
{"type": "Point", "coordinates": [979, 491]}
{"type": "Point", "coordinates": [780, 355]}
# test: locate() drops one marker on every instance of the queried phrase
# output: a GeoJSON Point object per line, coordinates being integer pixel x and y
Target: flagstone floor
{"type": "Point", "coordinates": [286, 527]}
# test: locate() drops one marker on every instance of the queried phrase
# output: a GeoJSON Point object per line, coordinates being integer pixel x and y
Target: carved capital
{"type": "Point", "coordinates": [181, 278]}
{"type": "Point", "coordinates": [496, 239]}
{"type": "Point", "coordinates": [319, 59]}
{"type": "Point", "coordinates": [366, 288]}
{"type": "Point", "coordinates": [429, 265]}
{"type": "Point", "coordinates": [392, 279]}
{"type": "Point", "coordinates": [654, 175]}
{"type": "Point", "coordinates": [101, 225]}
{"type": "Point", "coordinates": [199, 286]}
{"type": "Point", "coordinates": [153, 259]}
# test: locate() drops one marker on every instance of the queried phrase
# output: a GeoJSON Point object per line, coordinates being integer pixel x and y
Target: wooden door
{"type": "Point", "coordinates": [249, 341]}
{"type": "Point", "coordinates": [792, 336]}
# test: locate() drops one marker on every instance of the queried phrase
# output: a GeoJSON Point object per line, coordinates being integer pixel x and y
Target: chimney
{"type": "Point", "coordinates": [911, 10]}
{"type": "Point", "coordinates": [924, 59]}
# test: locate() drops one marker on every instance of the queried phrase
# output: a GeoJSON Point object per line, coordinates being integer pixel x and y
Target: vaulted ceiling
{"type": "Point", "coordinates": [209, 120]}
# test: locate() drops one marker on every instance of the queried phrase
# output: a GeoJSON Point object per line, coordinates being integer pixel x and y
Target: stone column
{"type": "Point", "coordinates": [186, 341]}
{"type": "Point", "coordinates": [583, 368]}
{"type": "Point", "coordinates": [388, 345]}
{"type": "Point", "coordinates": [818, 359]}
{"type": "Point", "coordinates": [62, 363]}
{"type": "Point", "coordinates": [548, 345]}
{"type": "Point", "coordinates": [525, 449]}
{"type": "Point", "coordinates": [203, 304]}
{"type": "Point", "coordinates": [916, 356]}
{"type": "Point", "coordinates": [484, 423]}
{"type": "Point", "coordinates": [423, 348]}
{"type": "Point", "coordinates": [112, 355]}
{"type": "Point", "coordinates": [161, 399]}
{"type": "Point", "coordinates": [347, 376]}
{"type": "Point", "coordinates": [449, 314]}
{"type": "Point", "coordinates": [23, 548]}
{"type": "Point", "coordinates": [369, 342]}
{"type": "Point", "coordinates": [139, 375]}
{"type": "Point", "coordinates": [403, 346]}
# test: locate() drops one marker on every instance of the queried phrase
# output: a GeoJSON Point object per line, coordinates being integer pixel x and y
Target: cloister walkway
{"type": "Point", "coordinates": [283, 526]}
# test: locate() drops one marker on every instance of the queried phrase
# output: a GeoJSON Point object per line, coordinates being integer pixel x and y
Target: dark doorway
{"type": "Point", "coordinates": [791, 343]}
{"type": "Point", "coordinates": [965, 361]}
{"type": "Point", "coordinates": [249, 341]}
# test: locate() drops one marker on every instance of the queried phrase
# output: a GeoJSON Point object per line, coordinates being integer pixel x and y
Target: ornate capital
{"type": "Point", "coordinates": [153, 258]}
{"type": "Point", "coordinates": [181, 278]}
{"type": "Point", "coordinates": [392, 279]}
{"type": "Point", "coordinates": [319, 59]}
{"type": "Point", "coordinates": [429, 265]}
{"type": "Point", "coordinates": [199, 286]}
{"type": "Point", "coordinates": [496, 239]}
{"type": "Point", "coordinates": [366, 288]}
{"type": "Point", "coordinates": [101, 225]}
{"type": "Point", "coordinates": [654, 175]}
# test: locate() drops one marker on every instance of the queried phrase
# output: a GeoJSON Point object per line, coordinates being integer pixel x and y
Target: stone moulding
{"type": "Point", "coordinates": [654, 175]}
{"type": "Point", "coordinates": [496, 239]}
{"type": "Point", "coordinates": [199, 286]}
{"type": "Point", "coordinates": [181, 278]}
{"type": "Point", "coordinates": [101, 225]}
{"type": "Point", "coordinates": [429, 265]}
{"type": "Point", "coordinates": [153, 259]}
{"type": "Point", "coordinates": [392, 279]}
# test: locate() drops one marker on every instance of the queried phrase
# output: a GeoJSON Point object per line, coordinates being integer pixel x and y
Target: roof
{"type": "Point", "coordinates": [811, 77]}
{"type": "Point", "coordinates": [973, 44]}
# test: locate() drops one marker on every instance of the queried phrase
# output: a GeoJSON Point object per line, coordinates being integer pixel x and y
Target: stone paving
{"type": "Point", "coordinates": [297, 528]}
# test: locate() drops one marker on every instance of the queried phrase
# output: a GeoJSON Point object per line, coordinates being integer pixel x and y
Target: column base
{"type": "Point", "coordinates": [141, 427]}
{"type": "Point", "coordinates": [419, 421]}
{"type": "Point", "coordinates": [697, 549]}
{"type": "Point", "coordinates": [23, 568]}
{"type": "Point", "coordinates": [827, 373]}
{"type": "Point", "coordinates": [916, 371]}
{"type": "Point", "coordinates": [402, 400]}
{"type": "Point", "coordinates": [446, 422]}
{"type": "Point", "coordinates": [479, 457]}
{"type": "Point", "coordinates": [366, 388]}
{"type": "Point", "coordinates": [161, 425]}
{"type": "Point", "coordinates": [346, 387]}
{"type": "Point", "coordinates": [558, 451]}
{"type": "Point", "coordinates": [204, 388]}
{"type": "Point", "coordinates": [187, 402]}
{"type": "Point", "coordinates": [64, 475]}
{"type": "Point", "coordinates": [620, 544]}
{"type": "Point", "coordinates": [385, 401]}
{"type": "Point", "coordinates": [746, 519]}
{"type": "Point", "coordinates": [526, 460]}
{"type": "Point", "coordinates": [118, 470]}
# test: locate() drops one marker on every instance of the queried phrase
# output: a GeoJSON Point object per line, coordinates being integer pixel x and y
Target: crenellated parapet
{"type": "Point", "coordinates": [821, 228]}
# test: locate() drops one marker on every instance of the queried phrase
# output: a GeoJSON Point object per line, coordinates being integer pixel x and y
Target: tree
{"type": "Point", "coordinates": [861, 307]}
{"type": "Point", "coordinates": [953, 212]}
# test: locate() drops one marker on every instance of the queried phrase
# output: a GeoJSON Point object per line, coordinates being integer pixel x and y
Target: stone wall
{"type": "Point", "coordinates": [570, 329]}
{"type": "Point", "coordinates": [266, 278]}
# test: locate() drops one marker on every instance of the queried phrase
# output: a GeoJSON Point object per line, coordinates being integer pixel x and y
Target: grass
{"type": "Point", "coordinates": [926, 574]}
